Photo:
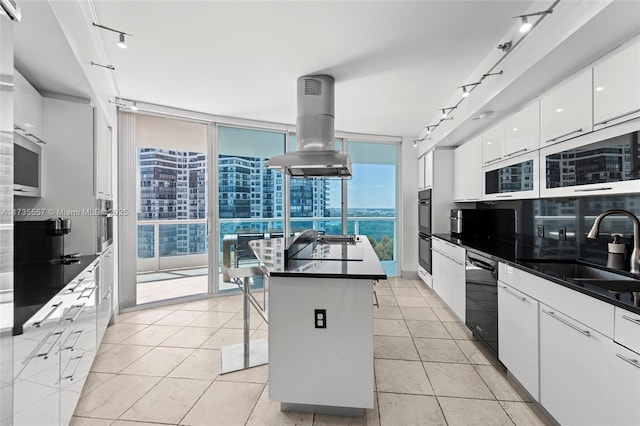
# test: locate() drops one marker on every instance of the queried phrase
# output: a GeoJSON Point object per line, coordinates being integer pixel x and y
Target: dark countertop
{"type": "Point", "coordinates": [518, 255]}
{"type": "Point", "coordinates": [35, 283]}
{"type": "Point", "coordinates": [334, 260]}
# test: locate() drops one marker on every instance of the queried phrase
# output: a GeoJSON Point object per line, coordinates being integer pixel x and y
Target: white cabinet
{"type": "Point", "coordinates": [623, 391]}
{"type": "Point", "coordinates": [448, 262]}
{"type": "Point", "coordinates": [516, 179]}
{"type": "Point", "coordinates": [573, 370]}
{"type": "Point", "coordinates": [522, 131]}
{"type": "Point", "coordinates": [421, 172]}
{"type": "Point", "coordinates": [566, 110]}
{"type": "Point", "coordinates": [467, 168]}
{"type": "Point", "coordinates": [493, 144]}
{"type": "Point", "coordinates": [103, 137]}
{"type": "Point", "coordinates": [27, 109]}
{"type": "Point", "coordinates": [518, 336]}
{"type": "Point", "coordinates": [428, 169]}
{"type": "Point", "coordinates": [616, 87]}
{"type": "Point", "coordinates": [627, 329]}
{"type": "Point", "coordinates": [105, 296]}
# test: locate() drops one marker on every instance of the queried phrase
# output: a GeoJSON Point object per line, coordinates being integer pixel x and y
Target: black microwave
{"type": "Point", "coordinates": [27, 166]}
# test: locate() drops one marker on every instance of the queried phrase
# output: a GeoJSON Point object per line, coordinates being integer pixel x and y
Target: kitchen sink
{"type": "Point", "coordinates": [577, 271]}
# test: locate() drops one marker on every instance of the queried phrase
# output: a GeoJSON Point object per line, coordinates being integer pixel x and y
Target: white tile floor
{"type": "Point", "coordinates": [160, 366]}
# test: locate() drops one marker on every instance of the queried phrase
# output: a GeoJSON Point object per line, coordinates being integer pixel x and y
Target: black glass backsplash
{"type": "Point", "coordinates": [575, 217]}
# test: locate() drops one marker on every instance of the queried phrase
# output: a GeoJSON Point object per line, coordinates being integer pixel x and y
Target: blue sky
{"type": "Point", "coordinates": [372, 186]}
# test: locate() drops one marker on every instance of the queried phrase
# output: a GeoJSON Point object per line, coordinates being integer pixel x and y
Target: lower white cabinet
{"type": "Point", "coordinates": [105, 295]}
{"type": "Point", "coordinates": [518, 336]}
{"type": "Point", "coordinates": [448, 262]}
{"type": "Point", "coordinates": [623, 408]}
{"type": "Point", "coordinates": [573, 370]}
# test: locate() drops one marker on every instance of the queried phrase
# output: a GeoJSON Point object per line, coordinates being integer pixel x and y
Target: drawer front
{"type": "Point", "coordinates": [627, 329]}
{"type": "Point", "coordinates": [592, 312]}
{"type": "Point", "coordinates": [453, 250]}
{"type": "Point", "coordinates": [505, 273]}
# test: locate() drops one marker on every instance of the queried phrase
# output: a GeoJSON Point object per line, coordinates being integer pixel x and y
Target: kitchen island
{"type": "Point", "coordinates": [320, 309]}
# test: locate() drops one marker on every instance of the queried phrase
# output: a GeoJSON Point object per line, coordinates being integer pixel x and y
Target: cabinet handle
{"type": "Point", "coordinates": [56, 306]}
{"type": "Point", "coordinates": [633, 320]}
{"type": "Point", "coordinates": [88, 295]}
{"type": "Point", "coordinates": [517, 152]}
{"type": "Point", "coordinates": [71, 347]}
{"type": "Point", "coordinates": [34, 353]}
{"type": "Point", "coordinates": [616, 117]}
{"type": "Point", "coordinates": [564, 321]}
{"type": "Point", "coordinates": [633, 362]}
{"type": "Point", "coordinates": [517, 296]}
{"type": "Point", "coordinates": [375, 296]}
{"type": "Point", "coordinates": [80, 309]}
{"type": "Point", "coordinates": [38, 140]}
{"type": "Point", "coordinates": [16, 127]}
{"type": "Point", "coordinates": [562, 136]}
{"type": "Point", "coordinates": [493, 160]}
{"type": "Point", "coordinates": [106, 295]}
{"type": "Point", "coordinates": [77, 285]}
{"type": "Point", "coordinates": [603, 188]}
{"type": "Point", "coordinates": [504, 196]}
{"type": "Point", "coordinates": [70, 376]}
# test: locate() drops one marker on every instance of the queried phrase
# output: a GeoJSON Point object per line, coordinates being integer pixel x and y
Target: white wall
{"type": "Point", "coordinates": [409, 209]}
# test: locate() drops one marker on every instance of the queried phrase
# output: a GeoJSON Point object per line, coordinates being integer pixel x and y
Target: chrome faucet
{"type": "Point", "coordinates": [635, 255]}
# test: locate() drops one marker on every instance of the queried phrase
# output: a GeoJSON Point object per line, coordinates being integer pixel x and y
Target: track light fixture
{"type": "Point", "coordinates": [525, 25]}
{"type": "Point", "coordinates": [118, 104]}
{"type": "Point", "coordinates": [489, 74]}
{"type": "Point", "coordinates": [416, 143]}
{"type": "Point", "coordinates": [430, 128]}
{"type": "Point", "coordinates": [121, 43]}
{"type": "Point", "coordinates": [466, 92]}
{"type": "Point", "coordinates": [505, 47]}
{"type": "Point", "coordinates": [446, 111]}
{"type": "Point", "coordinates": [134, 106]}
{"type": "Point", "coordinates": [109, 67]}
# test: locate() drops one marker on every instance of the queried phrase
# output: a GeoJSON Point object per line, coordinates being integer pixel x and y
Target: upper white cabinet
{"type": "Point", "coordinates": [428, 169]}
{"type": "Point", "coordinates": [616, 87]}
{"type": "Point", "coordinates": [103, 137]}
{"type": "Point", "coordinates": [516, 179]}
{"type": "Point", "coordinates": [566, 110]}
{"type": "Point", "coordinates": [493, 144]}
{"type": "Point", "coordinates": [522, 133]}
{"type": "Point", "coordinates": [467, 166]}
{"type": "Point", "coordinates": [27, 109]}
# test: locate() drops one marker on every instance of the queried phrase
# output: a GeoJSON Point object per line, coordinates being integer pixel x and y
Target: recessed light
{"type": "Point", "coordinates": [599, 89]}
{"type": "Point", "coordinates": [559, 110]}
{"type": "Point", "coordinates": [515, 129]}
{"type": "Point", "coordinates": [488, 143]}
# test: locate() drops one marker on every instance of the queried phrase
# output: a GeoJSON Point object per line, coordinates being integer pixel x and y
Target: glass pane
{"type": "Point", "coordinates": [612, 160]}
{"type": "Point", "coordinates": [513, 178]}
{"type": "Point", "coordinates": [146, 238]}
{"type": "Point", "coordinates": [251, 197]}
{"type": "Point", "coordinates": [372, 198]}
{"type": "Point", "coordinates": [313, 199]}
{"type": "Point", "coordinates": [183, 239]}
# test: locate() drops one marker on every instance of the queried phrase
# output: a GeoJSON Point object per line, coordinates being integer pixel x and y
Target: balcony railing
{"type": "Point", "coordinates": [179, 244]}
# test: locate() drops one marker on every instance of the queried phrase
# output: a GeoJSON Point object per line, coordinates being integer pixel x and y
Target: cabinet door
{"type": "Point", "coordinates": [616, 86]}
{"type": "Point", "coordinates": [517, 179]}
{"type": "Point", "coordinates": [518, 336]}
{"type": "Point", "coordinates": [457, 301]}
{"type": "Point", "coordinates": [428, 170]}
{"type": "Point", "coordinates": [624, 386]}
{"type": "Point", "coordinates": [493, 144]}
{"type": "Point", "coordinates": [573, 370]}
{"type": "Point", "coordinates": [421, 172]}
{"type": "Point", "coordinates": [523, 130]}
{"type": "Point", "coordinates": [103, 135]}
{"type": "Point", "coordinates": [106, 271]}
{"type": "Point", "coordinates": [438, 272]}
{"type": "Point", "coordinates": [27, 108]}
{"type": "Point", "coordinates": [566, 110]}
{"type": "Point", "coordinates": [467, 171]}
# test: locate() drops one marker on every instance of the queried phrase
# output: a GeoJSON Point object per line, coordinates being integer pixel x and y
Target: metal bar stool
{"type": "Point", "coordinates": [247, 354]}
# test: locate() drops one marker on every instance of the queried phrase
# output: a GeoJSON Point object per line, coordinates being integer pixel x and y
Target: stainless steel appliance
{"type": "Point", "coordinates": [481, 282]}
{"type": "Point", "coordinates": [424, 251]}
{"type": "Point", "coordinates": [105, 224]}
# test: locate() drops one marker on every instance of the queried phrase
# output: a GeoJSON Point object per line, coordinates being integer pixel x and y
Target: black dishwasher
{"type": "Point", "coordinates": [481, 285]}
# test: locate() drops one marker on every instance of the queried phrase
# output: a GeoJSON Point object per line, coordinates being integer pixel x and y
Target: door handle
{"type": "Point", "coordinates": [633, 320]}
{"type": "Point", "coordinates": [505, 288]}
{"type": "Point", "coordinates": [633, 362]}
{"type": "Point", "coordinates": [564, 321]}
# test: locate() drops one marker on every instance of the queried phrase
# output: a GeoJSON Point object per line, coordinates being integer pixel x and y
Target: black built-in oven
{"type": "Point", "coordinates": [481, 313]}
{"type": "Point", "coordinates": [424, 211]}
{"type": "Point", "coordinates": [424, 228]}
{"type": "Point", "coordinates": [424, 251]}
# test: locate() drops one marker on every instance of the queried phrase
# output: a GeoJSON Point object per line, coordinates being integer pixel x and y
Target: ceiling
{"type": "Point", "coordinates": [395, 63]}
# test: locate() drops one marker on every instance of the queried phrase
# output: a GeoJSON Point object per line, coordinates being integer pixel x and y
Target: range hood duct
{"type": "Point", "coordinates": [315, 154]}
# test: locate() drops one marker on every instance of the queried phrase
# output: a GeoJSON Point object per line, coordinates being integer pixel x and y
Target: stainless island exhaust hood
{"type": "Point", "coordinates": [316, 154]}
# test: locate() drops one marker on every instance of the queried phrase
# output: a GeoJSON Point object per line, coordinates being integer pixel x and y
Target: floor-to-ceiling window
{"type": "Point", "coordinates": [372, 198]}
{"type": "Point", "coordinates": [171, 189]}
{"type": "Point", "coordinates": [251, 198]}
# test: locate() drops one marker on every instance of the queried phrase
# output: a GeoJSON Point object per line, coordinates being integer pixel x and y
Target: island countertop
{"type": "Point", "coordinates": [327, 260]}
